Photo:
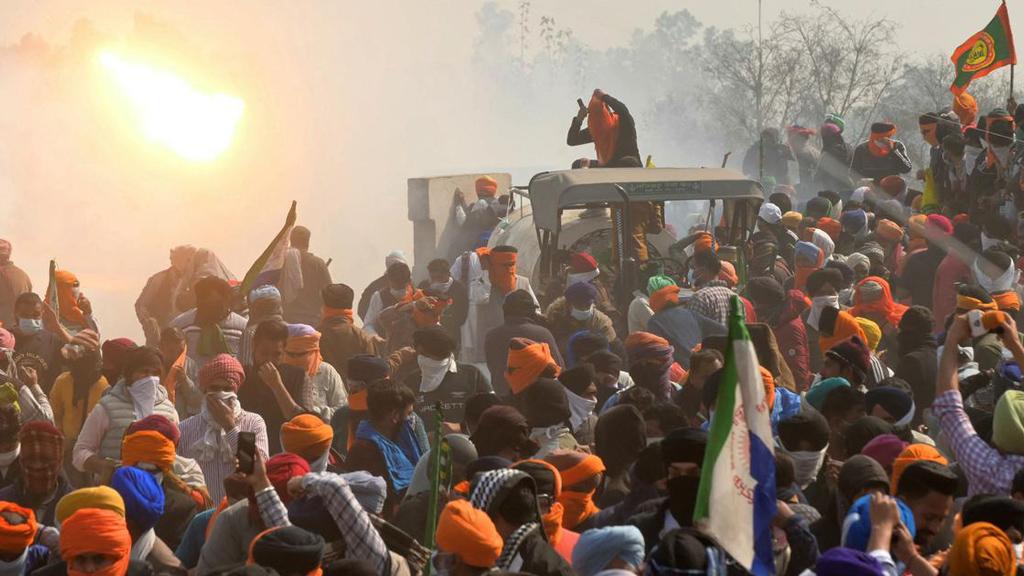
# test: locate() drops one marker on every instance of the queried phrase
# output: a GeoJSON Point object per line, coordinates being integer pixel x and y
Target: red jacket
{"type": "Point", "coordinates": [791, 336]}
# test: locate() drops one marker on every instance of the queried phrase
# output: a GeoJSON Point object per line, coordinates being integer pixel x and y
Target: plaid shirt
{"type": "Point", "coordinates": [988, 471]}
{"type": "Point", "coordinates": [712, 301]}
{"type": "Point", "coordinates": [362, 540]}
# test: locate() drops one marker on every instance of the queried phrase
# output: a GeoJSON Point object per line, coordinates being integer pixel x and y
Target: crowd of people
{"type": "Point", "coordinates": [463, 424]}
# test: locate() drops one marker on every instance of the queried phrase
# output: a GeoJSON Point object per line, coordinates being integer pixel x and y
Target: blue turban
{"type": "Point", "coordinates": [581, 294]}
{"type": "Point", "coordinates": [855, 222]}
{"type": "Point", "coordinates": [857, 525]}
{"type": "Point", "coordinates": [847, 562]}
{"type": "Point", "coordinates": [143, 496]}
{"type": "Point", "coordinates": [808, 252]}
{"type": "Point", "coordinates": [817, 394]}
{"type": "Point", "coordinates": [598, 547]}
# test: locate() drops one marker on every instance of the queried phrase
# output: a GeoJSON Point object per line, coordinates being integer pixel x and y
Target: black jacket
{"type": "Point", "coordinates": [625, 145]}
{"type": "Point", "coordinates": [364, 298]}
{"type": "Point", "coordinates": [918, 365]}
{"type": "Point", "coordinates": [453, 392]}
{"type": "Point", "coordinates": [540, 559]}
{"type": "Point", "coordinates": [867, 165]}
{"type": "Point", "coordinates": [135, 568]}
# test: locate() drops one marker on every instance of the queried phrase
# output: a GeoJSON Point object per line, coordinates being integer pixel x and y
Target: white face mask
{"type": "Point", "coordinates": [143, 393]}
{"type": "Point", "coordinates": [583, 315]}
{"type": "Point", "coordinates": [806, 465]}
{"type": "Point", "coordinates": [432, 372]}
{"type": "Point", "coordinates": [8, 458]}
{"type": "Point", "coordinates": [30, 326]}
{"type": "Point", "coordinates": [1018, 549]}
{"type": "Point", "coordinates": [819, 303]}
{"type": "Point", "coordinates": [442, 287]}
{"type": "Point", "coordinates": [971, 154]}
{"type": "Point", "coordinates": [580, 408]}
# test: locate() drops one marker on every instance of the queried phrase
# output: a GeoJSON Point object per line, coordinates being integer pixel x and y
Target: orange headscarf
{"type": "Point", "coordinates": [148, 446]}
{"type": "Point", "coordinates": [96, 531]}
{"type": "Point", "coordinates": [1007, 301]}
{"type": "Point", "coordinates": [501, 270]}
{"type": "Point", "coordinates": [889, 230]}
{"type": "Point", "coordinates": [604, 128]}
{"type": "Point", "coordinates": [327, 312]}
{"type": "Point", "coordinates": [527, 363]}
{"type": "Point", "coordinates": [846, 326]}
{"type": "Point", "coordinates": [885, 306]}
{"type": "Point", "coordinates": [69, 309]}
{"type": "Point", "coordinates": [911, 454]}
{"type": "Point", "coordinates": [982, 549]}
{"type": "Point", "coordinates": [577, 506]}
{"type": "Point", "coordinates": [831, 227]}
{"type": "Point", "coordinates": [969, 303]}
{"type": "Point", "coordinates": [306, 435]}
{"type": "Point", "coordinates": [662, 297]}
{"type": "Point", "coordinates": [304, 352]}
{"type": "Point", "coordinates": [966, 108]}
{"type": "Point", "coordinates": [704, 241]}
{"type": "Point", "coordinates": [15, 538]}
{"type": "Point", "coordinates": [469, 534]}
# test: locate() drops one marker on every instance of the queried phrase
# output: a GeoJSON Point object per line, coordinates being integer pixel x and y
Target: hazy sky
{"type": "Point", "coordinates": [345, 100]}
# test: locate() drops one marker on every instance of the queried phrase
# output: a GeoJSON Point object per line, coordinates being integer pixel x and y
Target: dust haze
{"type": "Point", "coordinates": [343, 102]}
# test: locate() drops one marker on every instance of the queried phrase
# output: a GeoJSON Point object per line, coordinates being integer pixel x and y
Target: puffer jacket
{"type": "Point", "coordinates": [791, 336]}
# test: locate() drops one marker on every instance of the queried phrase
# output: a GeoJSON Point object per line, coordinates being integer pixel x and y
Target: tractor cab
{"type": "Point", "coordinates": [729, 202]}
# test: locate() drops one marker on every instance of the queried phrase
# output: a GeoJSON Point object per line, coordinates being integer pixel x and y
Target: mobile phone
{"type": "Point", "coordinates": [246, 452]}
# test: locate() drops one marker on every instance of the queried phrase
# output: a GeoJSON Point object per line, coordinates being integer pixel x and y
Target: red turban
{"type": "Point", "coordinates": [222, 367]}
{"type": "Point", "coordinates": [283, 467]}
{"type": "Point", "coordinates": [486, 187]}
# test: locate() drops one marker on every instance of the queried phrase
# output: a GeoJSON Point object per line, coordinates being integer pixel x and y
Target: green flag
{"type": "Point", "coordinates": [984, 52]}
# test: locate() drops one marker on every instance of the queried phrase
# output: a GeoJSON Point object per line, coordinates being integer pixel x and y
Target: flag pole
{"type": "Point", "coordinates": [1012, 66]}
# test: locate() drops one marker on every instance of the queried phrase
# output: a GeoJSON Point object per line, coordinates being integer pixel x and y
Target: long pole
{"type": "Point", "coordinates": [1012, 66]}
{"type": "Point", "coordinates": [760, 113]}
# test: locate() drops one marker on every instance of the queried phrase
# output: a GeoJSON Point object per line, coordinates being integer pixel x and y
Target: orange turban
{"type": "Point", "coordinates": [486, 187]}
{"type": "Point", "coordinates": [982, 549]}
{"type": "Point", "coordinates": [728, 275]}
{"type": "Point", "coordinates": [527, 360]}
{"type": "Point", "coordinates": [704, 241]}
{"type": "Point", "coordinates": [306, 435]}
{"type": "Point", "coordinates": [970, 303]}
{"type": "Point", "coordinates": [575, 468]}
{"type": "Point", "coordinates": [846, 326]}
{"type": "Point", "coordinates": [889, 230]}
{"type": "Point", "coordinates": [587, 467]}
{"type": "Point", "coordinates": [15, 538]}
{"type": "Point", "coordinates": [468, 533]}
{"type": "Point", "coordinates": [831, 227]}
{"type": "Point", "coordinates": [501, 270]}
{"type": "Point", "coordinates": [603, 125]}
{"type": "Point", "coordinates": [663, 297]}
{"type": "Point", "coordinates": [911, 454]}
{"type": "Point", "coordinates": [303, 351]}
{"type": "Point", "coordinates": [883, 305]}
{"type": "Point", "coordinates": [96, 531]}
{"type": "Point", "coordinates": [966, 108]}
{"type": "Point", "coordinates": [69, 310]}
{"type": "Point", "coordinates": [148, 446]}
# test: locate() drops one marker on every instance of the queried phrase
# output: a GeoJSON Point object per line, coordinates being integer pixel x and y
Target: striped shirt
{"type": "Point", "coordinates": [215, 471]}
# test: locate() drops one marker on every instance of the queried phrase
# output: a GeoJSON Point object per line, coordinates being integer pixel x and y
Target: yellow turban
{"type": "Point", "coordinates": [102, 497]}
{"type": "Point", "coordinates": [871, 331]}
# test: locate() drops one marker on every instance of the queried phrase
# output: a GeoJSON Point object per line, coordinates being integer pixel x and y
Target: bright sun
{"type": "Point", "coordinates": [195, 125]}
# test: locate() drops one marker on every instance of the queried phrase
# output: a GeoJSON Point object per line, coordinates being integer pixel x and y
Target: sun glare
{"type": "Point", "coordinates": [195, 125]}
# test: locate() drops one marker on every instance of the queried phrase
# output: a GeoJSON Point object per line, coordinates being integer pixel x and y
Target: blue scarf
{"type": "Point", "coordinates": [401, 458]}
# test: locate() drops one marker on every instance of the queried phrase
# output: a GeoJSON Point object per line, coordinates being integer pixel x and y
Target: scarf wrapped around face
{"type": "Point", "coordinates": [502, 270]}
{"type": "Point", "coordinates": [303, 351]}
{"type": "Point", "coordinates": [884, 305]}
{"type": "Point", "coordinates": [604, 127]}
{"type": "Point", "coordinates": [66, 298]}
{"type": "Point", "coordinates": [95, 531]}
{"type": "Point", "coordinates": [879, 132]}
{"type": "Point", "coordinates": [576, 468]}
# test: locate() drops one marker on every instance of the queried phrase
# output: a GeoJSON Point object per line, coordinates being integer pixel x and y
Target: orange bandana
{"type": "Point", "coordinates": [15, 538]}
{"type": "Point", "coordinates": [526, 364]}
{"type": "Point", "coordinates": [96, 531]}
{"type": "Point", "coordinates": [304, 352]}
{"type": "Point", "coordinates": [501, 270]}
{"type": "Point", "coordinates": [604, 128]}
{"type": "Point", "coordinates": [66, 300]}
{"type": "Point", "coordinates": [577, 507]}
{"type": "Point", "coordinates": [148, 446]}
{"type": "Point", "coordinates": [1007, 301]}
{"type": "Point", "coordinates": [329, 312]}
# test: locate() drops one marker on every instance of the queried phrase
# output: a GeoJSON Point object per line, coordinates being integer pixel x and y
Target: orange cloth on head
{"type": "Point", "coordinates": [1007, 301]}
{"type": "Point", "coordinates": [911, 454]}
{"type": "Point", "coordinates": [102, 497]}
{"type": "Point", "coordinates": [728, 275]}
{"type": "Point", "coordinates": [430, 316]}
{"type": "Point", "coordinates": [66, 300]}
{"type": "Point", "coordinates": [357, 401]}
{"type": "Point", "coordinates": [469, 534]}
{"type": "Point", "coordinates": [889, 230]}
{"type": "Point", "coordinates": [704, 241]}
{"type": "Point", "coordinates": [526, 364]}
{"type": "Point", "coordinates": [886, 306]}
{"type": "Point", "coordinates": [304, 352]}
{"type": "Point", "coordinates": [982, 549]}
{"type": "Point", "coordinates": [552, 521]}
{"type": "Point", "coordinates": [875, 148]}
{"type": "Point", "coordinates": [486, 187]}
{"type": "Point", "coordinates": [966, 108]}
{"type": "Point", "coordinates": [328, 312]}
{"type": "Point", "coordinates": [603, 125]}
{"type": "Point", "coordinates": [148, 446]}
{"type": "Point", "coordinates": [589, 467]}
{"type": "Point", "coordinates": [769, 386]}
{"type": "Point", "coordinates": [15, 538]}
{"type": "Point", "coordinates": [846, 326]}
{"type": "Point", "coordinates": [831, 227]}
{"type": "Point", "coordinates": [306, 435]}
{"type": "Point", "coordinates": [95, 531]}
{"type": "Point", "coordinates": [968, 303]}
{"type": "Point", "coordinates": [501, 270]}
{"type": "Point", "coordinates": [662, 297]}
{"type": "Point", "coordinates": [792, 219]}
{"type": "Point", "coordinates": [578, 506]}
